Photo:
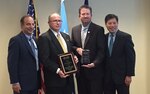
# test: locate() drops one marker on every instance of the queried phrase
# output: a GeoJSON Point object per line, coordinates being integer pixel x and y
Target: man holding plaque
{"type": "Point", "coordinates": [51, 44]}
{"type": "Point", "coordinates": [89, 45]}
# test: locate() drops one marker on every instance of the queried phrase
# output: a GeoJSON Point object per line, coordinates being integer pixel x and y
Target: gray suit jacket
{"type": "Point", "coordinates": [95, 42]}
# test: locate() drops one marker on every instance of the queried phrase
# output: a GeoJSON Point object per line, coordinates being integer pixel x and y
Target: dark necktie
{"type": "Point", "coordinates": [111, 44]}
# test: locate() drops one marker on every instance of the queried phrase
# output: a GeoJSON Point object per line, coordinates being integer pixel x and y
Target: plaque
{"type": "Point", "coordinates": [67, 63]}
{"type": "Point", "coordinates": [85, 59]}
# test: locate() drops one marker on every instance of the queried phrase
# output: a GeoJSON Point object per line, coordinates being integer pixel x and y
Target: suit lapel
{"type": "Point", "coordinates": [66, 40]}
{"type": "Point", "coordinates": [88, 34]}
{"type": "Point", "coordinates": [79, 35]}
{"type": "Point", "coordinates": [55, 42]}
{"type": "Point", "coordinates": [25, 41]}
{"type": "Point", "coordinates": [115, 42]}
{"type": "Point", "coordinates": [114, 45]}
{"type": "Point", "coordinates": [87, 38]}
{"type": "Point", "coordinates": [107, 44]}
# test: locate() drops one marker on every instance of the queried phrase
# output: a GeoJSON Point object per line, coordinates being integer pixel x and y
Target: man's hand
{"type": "Point", "coordinates": [76, 59]}
{"type": "Point", "coordinates": [79, 50]}
{"type": "Point", "coordinates": [128, 80]}
{"type": "Point", "coordinates": [91, 65]}
{"type": "Point", "coordinates": [62, 75]}
{"type": "Point", "coordinates": [16, 87]}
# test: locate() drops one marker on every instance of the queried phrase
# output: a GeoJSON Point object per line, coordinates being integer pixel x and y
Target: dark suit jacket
{"type": "Point", "coordinates": [122, 61]}
{"type": "Point", "coordinates": [22, 63]}
{"type": "Point", "coordinates": [49, 49]}
{"type": "Point", "coordinates": [95, 42]}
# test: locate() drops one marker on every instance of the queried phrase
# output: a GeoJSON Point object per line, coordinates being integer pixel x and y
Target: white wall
{"type": "Point", "coordinates": [133, 18]}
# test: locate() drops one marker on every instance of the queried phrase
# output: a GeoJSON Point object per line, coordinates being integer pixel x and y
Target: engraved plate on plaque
{"type": "Point", "coordinates": [67, 63]}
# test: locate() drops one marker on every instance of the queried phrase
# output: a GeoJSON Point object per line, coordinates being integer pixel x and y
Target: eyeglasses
{"type": "Point", "coordinates": [56, 21]}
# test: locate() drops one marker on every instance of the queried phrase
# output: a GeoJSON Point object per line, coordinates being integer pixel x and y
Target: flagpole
{"type": "Point", "coordinates": [64, 28]}
{"type": "Point", "coordinates": [75, 83]}
{"type": "Point", "coordinates": [36, 21]}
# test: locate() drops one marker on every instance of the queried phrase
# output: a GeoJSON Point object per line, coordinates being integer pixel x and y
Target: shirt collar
{"type": "Point", "coordinates": [28, 36]}
{"type": "Point", "coordinates": [114, 33]}
{"type": "Point", "coordinates": [54, 32]}
{"type": "Point", "coordinates": [85, 26]}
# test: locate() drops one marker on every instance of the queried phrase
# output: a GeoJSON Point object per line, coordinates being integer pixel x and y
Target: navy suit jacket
{"type": "Point", "coordinates": [22, 63]}
{"type": "Point", "coordinates": [49, 49]}
{"type": "Point", "coordinates": [121, 63]}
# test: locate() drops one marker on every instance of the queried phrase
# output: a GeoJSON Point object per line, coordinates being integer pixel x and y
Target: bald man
{"type": "Point", "coordinates": [56, 81]}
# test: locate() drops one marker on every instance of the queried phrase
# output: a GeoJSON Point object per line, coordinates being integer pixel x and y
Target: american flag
{"type": "Point", "coordinates": [31, 12]}
{"type": "Point", "coordinates": [36, 32]}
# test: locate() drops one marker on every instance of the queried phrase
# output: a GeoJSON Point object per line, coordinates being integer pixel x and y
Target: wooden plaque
{"type": "Point", "coordinates": [67, 63]}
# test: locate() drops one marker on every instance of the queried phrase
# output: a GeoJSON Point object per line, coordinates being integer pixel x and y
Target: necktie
{"type": "Point", "coordinates": [32, 45]}
{"type": "Point", "coordinates": [35, 52]}
{"type": "Point", "coordinates": [111, 43]}
{"type": "Point", "coordinates": [61, 43]}
{"type": "Point", "coordinates": [83, 36]}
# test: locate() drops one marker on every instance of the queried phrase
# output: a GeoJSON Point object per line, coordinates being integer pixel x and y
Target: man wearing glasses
{"type": "Point", "coordinates": [50, 47]}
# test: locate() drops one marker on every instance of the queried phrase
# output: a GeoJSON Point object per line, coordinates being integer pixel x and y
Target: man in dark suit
{"type": "Point", "coordinates": [120, 60]}
{"type": "Point", "coordinates": [89, 36]}
{"type": "Point", "coordinates": [50, 47]}
{"type": "Point", "coordinates": [23, 61]}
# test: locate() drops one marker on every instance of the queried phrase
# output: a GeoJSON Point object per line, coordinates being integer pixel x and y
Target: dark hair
{"type": "Point", "coordinates": [85, 6]}
{"type": "Point", "coordinates": [110, 16]}
{"type": "Point", "coordinates": [23, 17]}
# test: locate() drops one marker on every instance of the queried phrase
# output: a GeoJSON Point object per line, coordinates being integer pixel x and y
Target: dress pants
{"type": "Point", "coordinates": [87, 86]}
{"type": "Point", "coordinates": [59, 90]}
{"type": "Point", "coordinates": [110, 87]}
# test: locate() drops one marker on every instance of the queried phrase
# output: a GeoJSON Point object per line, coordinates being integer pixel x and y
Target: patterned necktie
{"type": "Point", "coordinates": [35, 52]}
{"type": "Point", "coordinates": [61, 43]}
{"type": "Point", "coordinates": [83, 36]}
{"type": "Point", "coordinates": [111, 44]}
{"type": "Point", "coordinates": [32, 45]}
